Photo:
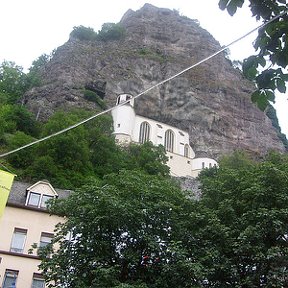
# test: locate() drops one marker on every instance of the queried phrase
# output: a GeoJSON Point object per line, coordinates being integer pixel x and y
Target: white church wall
{"type": "Point", "coordinates": [123, 122]}
{"type": "Point", "coordinates": [157, 135]}
{"type": "Point", "coordinates": [199, 164]}
{"type": "Point", "coordinates": [182, 161]}
{"type": "Point", "coordinates": [180, 166]}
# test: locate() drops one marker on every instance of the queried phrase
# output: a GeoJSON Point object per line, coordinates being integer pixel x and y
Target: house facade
{"type": "Point", "coordinates": [26, 222]}
{"type": "Point", "coordinates": [129, 127]}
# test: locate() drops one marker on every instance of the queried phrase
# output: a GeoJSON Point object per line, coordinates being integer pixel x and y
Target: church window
{"type": "Point", "coordinates": [144, 134]}
{"type": "Point", "coordinates": [169, 141]}
{"type": "Point", "coordinates": [186, 150]}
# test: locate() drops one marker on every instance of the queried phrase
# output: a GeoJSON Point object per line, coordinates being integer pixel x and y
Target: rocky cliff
{"type": "Point", "coordinates": [212, 101]}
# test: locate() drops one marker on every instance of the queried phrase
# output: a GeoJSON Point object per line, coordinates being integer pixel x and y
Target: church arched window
{"type": "Point", "coordinates": [186, 150]}
{"type": "Point", "coordinates": [144, 134]}
{"type": "Point", "coordinates": [169, 141]}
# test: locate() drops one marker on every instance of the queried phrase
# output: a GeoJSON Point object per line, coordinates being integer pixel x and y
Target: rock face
{"type": "Point", "coordinates": [211, 101]}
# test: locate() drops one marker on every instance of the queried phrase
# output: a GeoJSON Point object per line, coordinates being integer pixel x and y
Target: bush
{"type": "Point", "coordinates": [94, 97]}
{"type": "Point", "coordinates": [83, 33]}
{"type": "Point", "coordinates": [111, 31]}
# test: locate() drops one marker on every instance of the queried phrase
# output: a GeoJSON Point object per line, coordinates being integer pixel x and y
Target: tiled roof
{"type": "Point", "coordinates": [18, 193]}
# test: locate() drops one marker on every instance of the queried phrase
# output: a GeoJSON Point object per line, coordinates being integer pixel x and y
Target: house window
{"type": "Point", "coordinates": [18, 240]}
{"type": "Point", "coordinates": [169, 141]}
{"type": "Point", "coordinates": [144, 134]}
{"type": "Point", "coordinates": [203, 165]}
{"type": "Point", "coordinates": [10, 278]}
{"type": "Point", "coordinates": [186, 150]}
{"type": "Point", "coordinates": [44, 200]}
{"type": "Point", "coordinates": [38, 281]}
{"type": "Point", "coordinates": [38, 200]}
{"type": "Point", "coordinates": [45, 239]}
{"type": "Point", "coordinates": [210, 165]}
{"type": "Point", "coordinates": [34, 199]}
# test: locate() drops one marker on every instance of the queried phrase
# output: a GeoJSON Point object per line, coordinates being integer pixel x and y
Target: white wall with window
{"type": "Point", "coordinates": [18, 240]}
{"type": "Point", "coordinates": [38, 281]}
{"type": "Point", "coordinates": [10, 279]}
{"type": "Point", "coordinates": [199, 164]}
{"type": "Point", "coordinates": [144, 133]}
{"type": "Point", "coordinates": [26, 223]}
{"type": "Point", "coordinates": [45, 239]}
{"type": "Point", "coordinates": [157, 134]}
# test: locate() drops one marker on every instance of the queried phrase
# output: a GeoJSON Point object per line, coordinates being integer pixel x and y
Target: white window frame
{"type": "Point", "coordinates": [40, 203]}
{"type": "Point", "coordinates": [22, 232]}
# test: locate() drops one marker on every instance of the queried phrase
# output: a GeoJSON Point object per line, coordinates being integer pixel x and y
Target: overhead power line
{"type": "Point", "coordinates": [144, 92]}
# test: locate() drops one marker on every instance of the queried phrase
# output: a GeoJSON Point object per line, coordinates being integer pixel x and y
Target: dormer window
{"type": "Point", "coordinates": [38, 200]}
{"type": "Point", "coordinates": [39, 193]}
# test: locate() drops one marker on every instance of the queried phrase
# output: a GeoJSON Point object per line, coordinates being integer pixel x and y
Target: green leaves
{"type": "Point", "coordinates": [267, 81]}
{"type": "Point", "coordinates": [138, 230]}
{"type": "Point", "coordinates": [230, 5]}
{"type": "Point", "coordinates": [271, 46]}
{"type": "Point", "coordinates": [251, 201]}
{"type": "Point", "coordinates": [124, 230]}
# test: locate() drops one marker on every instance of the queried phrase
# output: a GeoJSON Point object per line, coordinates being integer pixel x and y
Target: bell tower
{"type": "Point", "coordinates": [123, 118]}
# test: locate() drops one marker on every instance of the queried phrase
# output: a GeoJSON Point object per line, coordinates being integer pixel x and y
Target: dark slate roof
{"type": "Point", "coordinates": [18, 192]}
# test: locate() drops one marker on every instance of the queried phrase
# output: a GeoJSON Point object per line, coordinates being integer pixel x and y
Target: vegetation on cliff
{"type": "Point", "coordinates": [109, 31]}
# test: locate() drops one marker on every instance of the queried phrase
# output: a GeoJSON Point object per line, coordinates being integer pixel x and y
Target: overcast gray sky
{"type": "Point", "coordinates": [32, 27]}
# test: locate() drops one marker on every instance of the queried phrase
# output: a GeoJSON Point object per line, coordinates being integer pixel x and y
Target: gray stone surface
{"type": "Point", "coordinates": [211, 102]}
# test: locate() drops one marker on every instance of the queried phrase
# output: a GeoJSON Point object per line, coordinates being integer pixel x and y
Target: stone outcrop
{"type": "Point", "coordinates": [211, 101]}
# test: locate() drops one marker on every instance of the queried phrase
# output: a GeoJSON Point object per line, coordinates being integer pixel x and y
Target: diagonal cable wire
{"type": "Point", "coordinates": [145, 91]}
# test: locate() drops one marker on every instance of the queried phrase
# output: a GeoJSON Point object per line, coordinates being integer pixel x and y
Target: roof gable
{"type": "Point", "coordinates": [43, 187]}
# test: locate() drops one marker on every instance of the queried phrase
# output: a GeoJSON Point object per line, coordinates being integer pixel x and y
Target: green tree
{"type": "Point", "coordinates": [23, 158]}
{"type": "Point", "coordinates": [12, 82]}
{"type": "Point", "coordinates": [38, 65]}
{"type": "Point", "coordinates": [268, 69]}
{"type": "Point", "coordinates": [132, 229]}
{"type": "Point", "coordinates": [123, 233]}
{"type": "Point", "coordinates": [83, 33]}
{"type": "Point", "coordinates": [70, 151]}
{"type": "Point", "coordinates": [248, 204]}
{"type": "Point", "coordinates": [149, 158]}
{"type": "Point", "coordinates": [111, 31]}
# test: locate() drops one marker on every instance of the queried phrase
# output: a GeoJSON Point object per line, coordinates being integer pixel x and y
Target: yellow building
{"type": "Point", "coordinates": [26, 221]}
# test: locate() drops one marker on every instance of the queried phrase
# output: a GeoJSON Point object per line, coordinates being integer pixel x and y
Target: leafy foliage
{"type": "Point", "coordinates": [123, 230]}
{"type": "Point", "coordinates": [94, 97]}
{"type": "Point", "coordinates": [111, 31]}
{"type": "Point", "coordinates": [271, 113]}
{"type": "Point", "coordinates": [68, 159]}
{"type": "Point", "coordinates": [136, 230]}
{"type": "Point", "coordinates": [250, 202]}
{"type": "Point", "coordinates": [268, 68]}
{"type": "Point", "coordinates": [12, 82]}
{"type": "Point", "coordinates": [34, 75]}
{"type": "Point", "coordinates": [83, 33]}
